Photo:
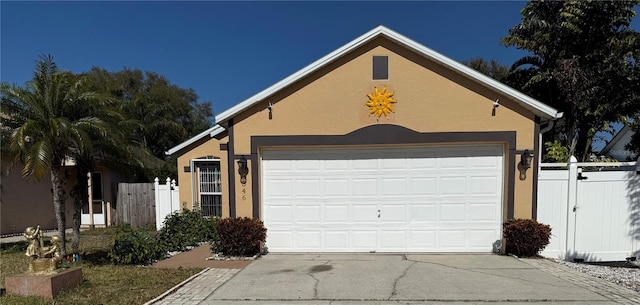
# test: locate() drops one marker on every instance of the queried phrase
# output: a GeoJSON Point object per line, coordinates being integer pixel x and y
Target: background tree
{"type": "Point", "coordinates": [490, 68]}
{"type": "Point", "coordinates": [167, 114]}
{"type": "Point", "coordinates": [46, 127]}
{"type": "Point", "coordinates": [584, 63]}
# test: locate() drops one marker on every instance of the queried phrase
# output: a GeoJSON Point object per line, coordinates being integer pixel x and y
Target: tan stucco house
{"type": "Point", "coordinates": [382, 145]}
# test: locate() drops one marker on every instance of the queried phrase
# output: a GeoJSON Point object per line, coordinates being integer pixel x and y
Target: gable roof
{"type": "Point", "coordinates": [545, 112]}
{"type": "Point", "coordinates": [616, 147]}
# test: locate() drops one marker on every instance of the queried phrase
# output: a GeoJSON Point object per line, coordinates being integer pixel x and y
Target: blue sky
{"type": "Point", "coordinates": [228, 51]}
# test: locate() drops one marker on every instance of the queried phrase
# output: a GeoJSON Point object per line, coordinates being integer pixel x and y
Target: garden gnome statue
{"type": "Point", "coordinates": [42, 259]}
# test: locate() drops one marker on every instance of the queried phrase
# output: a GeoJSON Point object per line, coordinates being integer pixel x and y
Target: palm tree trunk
{"type": "Point", "coordinates": [77, 219]}
{"type": "Point", "coordinates": [57, 182]}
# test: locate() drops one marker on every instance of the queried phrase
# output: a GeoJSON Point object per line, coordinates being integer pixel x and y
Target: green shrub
{"type": "Point", "coordinates": [526, 237]}
{"type": "Point", "coordinates": [239, 236]}
{"type": "Point", "coordinates": [135, 247]}
{"type": "Point", "coordinates": [186, 229]}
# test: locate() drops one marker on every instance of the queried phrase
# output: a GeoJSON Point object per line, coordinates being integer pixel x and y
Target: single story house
{"type": "Point", "coordinates": [616, 147]}
{"type": "Point", "coordinates": [383, 145]}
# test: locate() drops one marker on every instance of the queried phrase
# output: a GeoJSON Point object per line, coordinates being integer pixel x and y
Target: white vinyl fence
{"type": "Point", "coordinates": [593, 210]}
{"type": "Point", "coordinates": [167, 200]}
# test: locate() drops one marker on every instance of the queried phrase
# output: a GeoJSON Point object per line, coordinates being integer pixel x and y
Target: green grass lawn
{"type": "Point", "coordinates": [103, 282]}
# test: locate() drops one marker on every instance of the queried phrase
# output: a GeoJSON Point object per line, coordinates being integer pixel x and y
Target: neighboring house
{"type": "Point", "coordinates": [24, 203]}
{"type": "Point", "coordinates": [382, 145]}
{"type": "Point", "coordinates": [616, 147]}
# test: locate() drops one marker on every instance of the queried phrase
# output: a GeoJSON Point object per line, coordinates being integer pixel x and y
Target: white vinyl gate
{"type": "Point", "coordinates": [167, 200]}
{"type": "Point", "coordinates": [594, 215]}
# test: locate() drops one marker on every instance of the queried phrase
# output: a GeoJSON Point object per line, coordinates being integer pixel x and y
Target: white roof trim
{"type": "Point", "coordinates": [212, 132]}
{"type": "Point", "coordinates": [544, 111]}
{"type": "Point", "coordinates": [540, 109]}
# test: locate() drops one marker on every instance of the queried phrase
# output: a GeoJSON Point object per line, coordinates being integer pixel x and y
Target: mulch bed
{"type": "Point", "coordinates": [197, 258]}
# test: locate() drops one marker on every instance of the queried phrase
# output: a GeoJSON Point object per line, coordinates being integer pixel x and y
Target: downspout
{"type": "Point", "coordinates": [550, 125]}
{"type": "Point", "coordinates": [542, 131]}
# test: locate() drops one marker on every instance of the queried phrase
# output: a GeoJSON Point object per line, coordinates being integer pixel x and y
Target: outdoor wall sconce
{"type": "Point", "coordinates": [525, 159]}
{"type": "Point", "coordinates": [243, 170]}
{"type": "Point", "coordinates": [525, 163]}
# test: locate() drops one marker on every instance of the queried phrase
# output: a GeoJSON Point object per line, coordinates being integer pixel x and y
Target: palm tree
{"type": "Point", "coordinates": [49, 121]}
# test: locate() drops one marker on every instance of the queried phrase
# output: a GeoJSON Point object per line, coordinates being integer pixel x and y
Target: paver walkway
{"type": "Point", "coordinates": [196, 288]}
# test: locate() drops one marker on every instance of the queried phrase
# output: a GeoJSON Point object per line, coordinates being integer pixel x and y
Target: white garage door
{"type": "Point", "coordinates": [405, 199]}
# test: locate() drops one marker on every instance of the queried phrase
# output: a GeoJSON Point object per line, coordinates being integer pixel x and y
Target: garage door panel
{"type": "Point", "coordinates": [483, 185]}
{"type": "Point", "coordinates": [365, 239]}
{"type": "Point", "coordinates": [453, 212]}
{"type": "Point", "coordinates": [306, 165]}
{"type": "Point", "coordinates": [308, 239]}
{"type": "Point", "coordinates": [422, 186]}
{"type": "Point", "coordinates": [280, 239]}
{"type": "Point", "coordinates": [367, 213]}
{"type": "Point", "coordinates": [421, 213]}
{"type": "Point", "coordinates": [336, 165]}
{"type": "Point", "coordinates": [306, 188]}
{"type": "Point", "coordinates": [393, 186]}
{"type": "Point", "coordinates": [453, 160]}
{"type": "Point", "coordinates": [453, 185]}
{"type": "Point", "coordinates": [488, 162]}
{"type": "Point", "coordinates": [279, 187]}
{"type": "Point", "coordinates": [483, 212]}
{"type": "Point", "coordinates": [452, 239]}
{"type": "Point", "coordinates": [479, 238]}
{"type": "Point", "coordinates": [393, 213]}
{"type": "Point", "coordinates": [279, 213]}
{"type": "Point", "coordinates": [365, 164]}
{"type": "Point", "coordinates": [336, 213]}
{"type": "Point", "coordinates": [364, 187]}
{"type": "Point", "coordinates": [336, 187]}
{"type": "Point", "coordinates": [423, 240]}
{"type": "Point", "coordinates": [393, 240]}
{"type": "Point", "coordinates": [392, 162]}
{"type": "Point", "coordinates": [424, 199]}
{"type": "Point", "coordinates": [337, 240]}
{"type": "Point", "coordinates": [308, 214]}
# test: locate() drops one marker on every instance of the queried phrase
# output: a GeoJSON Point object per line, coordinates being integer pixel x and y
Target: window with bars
{"type": "Point", "coordinates": [210, 188]}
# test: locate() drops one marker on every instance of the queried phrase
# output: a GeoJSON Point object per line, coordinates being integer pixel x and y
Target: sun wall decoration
{"type": "Point", "coordinates": [380, 102]}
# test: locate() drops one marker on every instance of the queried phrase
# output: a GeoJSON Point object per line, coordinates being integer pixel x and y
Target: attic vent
{"type": "Point", "coordinates": [380, 67]}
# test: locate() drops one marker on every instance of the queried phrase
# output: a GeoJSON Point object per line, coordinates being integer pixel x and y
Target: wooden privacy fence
{"type": "Point", "coordinates": [135, 205]}
{"type": "Point", "coordinates": [593, 210]}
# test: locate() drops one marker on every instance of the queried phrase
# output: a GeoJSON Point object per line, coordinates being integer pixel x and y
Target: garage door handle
{"type": "Point", "coordinates": [378, 213]}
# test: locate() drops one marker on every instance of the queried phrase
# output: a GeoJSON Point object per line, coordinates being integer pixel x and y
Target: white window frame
{"type": "Point", "coordinates": [195, 182]}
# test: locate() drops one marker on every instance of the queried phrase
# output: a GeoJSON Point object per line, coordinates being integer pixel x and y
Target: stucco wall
{"type": "Point", "coordinates": [207, 147]}
{"type": "Point", "coordinates": [430, 99]}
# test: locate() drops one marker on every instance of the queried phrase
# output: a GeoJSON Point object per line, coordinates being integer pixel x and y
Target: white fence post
{"type": "Point", "coordinates": [156, 188]}
{"type": "Point", "coordinates": [175, 197]}
{"type": "Point", "coordinates": [572, 203]}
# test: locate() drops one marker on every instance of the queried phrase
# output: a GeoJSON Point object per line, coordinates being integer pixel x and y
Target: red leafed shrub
{"type": "Point", "coordinates": [239, 236]}
{"type": "Point", "coordinates": [525, 237]}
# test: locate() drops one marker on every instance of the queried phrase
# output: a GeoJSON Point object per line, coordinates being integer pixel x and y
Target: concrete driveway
{"type": "Point", "coordinates": [412, 279]}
